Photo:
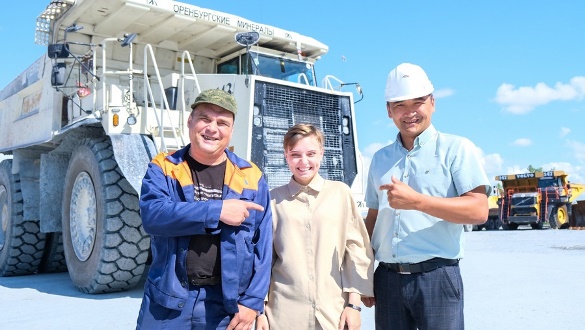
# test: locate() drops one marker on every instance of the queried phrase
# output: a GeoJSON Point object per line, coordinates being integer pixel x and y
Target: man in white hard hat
{"type": "Point", "coordinates": [421, 190]}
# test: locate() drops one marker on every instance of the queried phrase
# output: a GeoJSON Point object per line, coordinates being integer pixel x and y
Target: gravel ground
{"type": "Point", "coordinates": [524, 279]}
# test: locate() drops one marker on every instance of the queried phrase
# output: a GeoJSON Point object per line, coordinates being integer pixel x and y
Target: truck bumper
{"type": "Point", "coordinates": [523, 219]}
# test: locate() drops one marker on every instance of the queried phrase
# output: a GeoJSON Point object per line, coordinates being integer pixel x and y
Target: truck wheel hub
{"type": "Point", "coordinates": [83, 216]}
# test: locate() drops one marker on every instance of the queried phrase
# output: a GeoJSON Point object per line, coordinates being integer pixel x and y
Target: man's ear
{"type": "Point", "coordinates": [389, 109]}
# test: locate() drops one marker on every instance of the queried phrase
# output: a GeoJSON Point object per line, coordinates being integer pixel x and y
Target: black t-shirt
{"type": "Point", "coordinates": [203, 257]}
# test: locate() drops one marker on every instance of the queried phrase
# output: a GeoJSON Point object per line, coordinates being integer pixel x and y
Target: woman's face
{"type": "Point", "coordinates": [304, 159]}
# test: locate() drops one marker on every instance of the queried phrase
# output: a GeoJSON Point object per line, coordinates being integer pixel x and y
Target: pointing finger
{"type": "Point", "coordinates": [254, 206]}
{"type": "Point", "coordinates": [386, 186]}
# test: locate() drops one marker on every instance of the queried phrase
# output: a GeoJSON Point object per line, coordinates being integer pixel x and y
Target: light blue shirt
{"type": "Point", "coordinates": [439, 164]}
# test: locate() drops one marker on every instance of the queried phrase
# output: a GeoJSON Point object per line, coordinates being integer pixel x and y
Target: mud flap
{"type": "Point", "coordinates": [133, 153]}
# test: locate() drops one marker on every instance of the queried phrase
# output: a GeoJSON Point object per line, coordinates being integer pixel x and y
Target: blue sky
{"type": "Point", "coordinates": [509, 75]}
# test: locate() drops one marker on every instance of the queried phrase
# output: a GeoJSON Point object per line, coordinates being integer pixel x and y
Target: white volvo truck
{"type": "Point", "coordinates": [114, 88]}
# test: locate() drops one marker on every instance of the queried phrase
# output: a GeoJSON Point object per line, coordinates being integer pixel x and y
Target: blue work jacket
{"type": "Point", "coordinates": [171, 215]}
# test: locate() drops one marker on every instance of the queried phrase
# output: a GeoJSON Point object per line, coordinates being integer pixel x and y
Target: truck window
{"type": "Point", "coordinates": [270, 66]}
{"type": "Point", "coordinates": [230, 67]}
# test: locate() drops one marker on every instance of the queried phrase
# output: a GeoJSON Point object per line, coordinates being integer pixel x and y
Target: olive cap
{"type": "Point", "coordinates": [218, 97]}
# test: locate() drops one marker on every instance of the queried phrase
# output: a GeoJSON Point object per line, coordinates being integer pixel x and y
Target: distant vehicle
{"type": "Point", "coordinates": [114, 88]}
{"type": "Point", "coordinates": [493, 221]}
{"type": "Point", "coordinates": [537, 199]}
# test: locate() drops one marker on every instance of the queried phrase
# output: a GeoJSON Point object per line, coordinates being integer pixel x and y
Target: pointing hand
{"type": "Point", "coordinates": [400, 195]}
{"type": "Point", "coordinates": [235, 211]}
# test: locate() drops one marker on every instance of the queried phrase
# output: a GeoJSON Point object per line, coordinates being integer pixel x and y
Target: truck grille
{"type": "Point", "coordinates": [279, 108]}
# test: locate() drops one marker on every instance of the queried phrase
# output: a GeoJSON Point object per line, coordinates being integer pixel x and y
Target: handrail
{"type": "Point", "coordinates": [303, 76]}
{"type": "Point", "coordinates": [148, 95]}
{"type": "Point", "coordinates": [326, 82]}
{"type": "Point", "coordinates": [182, 77]}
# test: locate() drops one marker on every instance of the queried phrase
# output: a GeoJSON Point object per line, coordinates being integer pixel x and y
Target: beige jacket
{"type": "Point", "coordinates": [321, 252]}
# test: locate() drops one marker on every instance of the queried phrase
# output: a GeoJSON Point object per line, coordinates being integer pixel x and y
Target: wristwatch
{"type": "Point", "coordinates": [356, 307]}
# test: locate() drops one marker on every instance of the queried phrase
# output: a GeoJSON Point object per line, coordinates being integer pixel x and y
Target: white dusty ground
{"type": "Point", "coordinates": [524, 279]}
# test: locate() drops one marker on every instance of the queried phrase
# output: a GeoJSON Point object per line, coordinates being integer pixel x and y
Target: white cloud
{"type": "Point", "coordinates": [516, 169]}
{"type": "Point", "coordinates": [564, 131]}
{"type": "Point", "coordinates": [492, 165]}
{"type": "Point", "coordinates": [523, 100]}
{"type": "Point", "coordinates": [576, 172]}
{"type": "Point", "coordinates": [522, 142]}
{"type": "Point", "coordinates": [578, 149]}
{"type": "Point", "coordinates": [441, 93]}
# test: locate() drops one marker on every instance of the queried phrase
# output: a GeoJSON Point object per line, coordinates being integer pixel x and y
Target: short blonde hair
{"type": "Point", "coordinates": [299, 131]}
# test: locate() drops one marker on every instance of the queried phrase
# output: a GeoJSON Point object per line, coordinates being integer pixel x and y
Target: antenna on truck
{"type": "Point", "coordinates": [247, 39]}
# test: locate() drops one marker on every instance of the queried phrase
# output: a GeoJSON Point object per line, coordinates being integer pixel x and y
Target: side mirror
{"type": "Point", "coordinates": [128, 38]}
{"type": "Point", "coordinates": [58, 51]}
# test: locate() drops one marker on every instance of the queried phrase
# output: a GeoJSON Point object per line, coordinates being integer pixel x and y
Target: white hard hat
{"type": "Point", "coordinates": [407, 81]}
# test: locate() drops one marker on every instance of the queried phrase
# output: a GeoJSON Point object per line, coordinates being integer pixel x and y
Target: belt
{"type": "Point", "coordinates": [204, 280]}
{"type": "Point", "coordinates": [421, 267]}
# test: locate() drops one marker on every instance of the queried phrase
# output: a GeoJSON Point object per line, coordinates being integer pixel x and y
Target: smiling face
{"type": "Point", "coordinates": [411, 117]}
{"type": "Point", "coordinates": [210, 131]}
{"type": "Point", "coordinates": [304, 159]}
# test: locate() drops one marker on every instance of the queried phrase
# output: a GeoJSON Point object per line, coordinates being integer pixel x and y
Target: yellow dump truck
{"type": "Point", "coordinates": [493, 221]}
{"type": "Point", "coordinates": [537, 198]}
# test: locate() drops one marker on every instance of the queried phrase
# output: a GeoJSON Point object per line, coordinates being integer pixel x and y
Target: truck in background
{"type": "Point", "coordinates": [537, 199]}
{"type": "Point", "coordinates": [493, 221]}
{"type": "Point", "coordinates": [114, 88]}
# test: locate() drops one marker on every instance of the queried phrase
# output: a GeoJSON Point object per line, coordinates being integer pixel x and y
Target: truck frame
{"type": "Point", "coordinates": [536, 199]}
{"type": "Point", "coordinates": [114, 88]}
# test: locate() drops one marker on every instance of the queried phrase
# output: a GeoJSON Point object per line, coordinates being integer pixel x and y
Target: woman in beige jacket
{"type": "Point", "coordinates": [322, 259]}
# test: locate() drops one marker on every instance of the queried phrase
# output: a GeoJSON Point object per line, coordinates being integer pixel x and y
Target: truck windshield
{"type": "Point", "coordinates": [548, 182]}
{"type": "Point", "coordinates": [270, 66]}
{"type": "Point", "coordinates": [281, 68]}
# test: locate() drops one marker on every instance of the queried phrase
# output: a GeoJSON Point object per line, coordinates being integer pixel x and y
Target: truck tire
{"type": "Point", "coordinates": [498, 224]}
{"type": "Point", "coordinates": [105, 246]}
{"type": "Point", "coordinates": [54, 256]}
{"type": "Point", "coordinates": [537, 225]}
{"type": "Point", "coordinates": [559, 218]}
{"type": "Point", "coordinates": [510, 226]}
{"type": "Point", "coordinates": [21, 242]}
{"type": "Point", "coordinates": [490, 224]}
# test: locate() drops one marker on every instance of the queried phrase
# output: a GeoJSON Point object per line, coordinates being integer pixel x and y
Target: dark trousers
{"type": "Point", "coordinates": [426, 301]}
{"type": "Point", "coordinates": [203, 310]}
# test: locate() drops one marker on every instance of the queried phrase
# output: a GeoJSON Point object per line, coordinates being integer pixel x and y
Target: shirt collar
{"type": "Point", "coordinates": [422, 138]}
{"type": "Point", "coordinates": [294, 188]}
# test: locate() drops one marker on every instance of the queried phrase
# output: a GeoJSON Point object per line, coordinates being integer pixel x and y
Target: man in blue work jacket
{"type": "Point", "coordinates": [209, 217]}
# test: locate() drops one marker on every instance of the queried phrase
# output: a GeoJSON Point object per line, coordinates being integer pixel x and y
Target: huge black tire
{"type": "Point", "coordinates": [21, 242]}
{"type": "Point", "coordinates": [490, 224]}
{"type": "Point", "coordinates": [559, 218]}
{"type": "Point", "coordinates": [537, 225]}
{"type": "Point", "coordinates": [54, 256]}
{"type": "Point", "coordinates": [106, 248]}
{"type": "Point", "coordinates": [510, 226]}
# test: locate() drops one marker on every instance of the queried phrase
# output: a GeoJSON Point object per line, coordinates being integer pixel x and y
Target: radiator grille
{"type": "Point", "coordinates": [280, 107]}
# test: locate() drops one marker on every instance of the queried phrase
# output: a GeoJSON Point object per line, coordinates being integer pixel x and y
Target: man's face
{"type": "Point", "coordinates": [210, 131]}
{"type": "Point", "coordinates": [412, 117]}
